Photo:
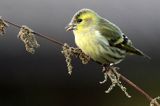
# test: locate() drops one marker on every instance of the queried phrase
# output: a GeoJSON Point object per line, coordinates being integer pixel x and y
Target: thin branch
{"type": "Point", "coordinates": [36, 33]}
{"type": "Point", "coordinates": [13, 24]}
{"type": "Point", "coordinates": [148, 97]}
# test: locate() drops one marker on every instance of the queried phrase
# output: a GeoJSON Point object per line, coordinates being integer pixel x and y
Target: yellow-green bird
{"type": "Point", "coordinates": [100, 39]}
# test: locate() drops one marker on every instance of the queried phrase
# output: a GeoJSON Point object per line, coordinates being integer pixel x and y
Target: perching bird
{"type": "Point", "coordinates": [100, 39]}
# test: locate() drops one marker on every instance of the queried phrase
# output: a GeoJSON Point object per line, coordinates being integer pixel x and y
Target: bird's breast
{"type": "Point", "coordinates": [89, 43]}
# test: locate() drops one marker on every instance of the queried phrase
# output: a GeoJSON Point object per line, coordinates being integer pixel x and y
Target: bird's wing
{"type": "Point", "coordinates": [116, 38]}
{"type": "Point", "coordinates": [110, 31]}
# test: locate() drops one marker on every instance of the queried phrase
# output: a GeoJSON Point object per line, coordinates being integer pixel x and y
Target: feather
{"type": "Point", "coordinates": [116, 38]}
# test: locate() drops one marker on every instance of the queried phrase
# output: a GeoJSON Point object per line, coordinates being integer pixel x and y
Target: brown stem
{"type": "Point", "coordinates": [149, 98]}
{"type": "Point", "coordinates": [48, 38]}
{"type": "Point", "coordinates": [36, 33]}
{"type": "Point", "coordinates": [136, 87]}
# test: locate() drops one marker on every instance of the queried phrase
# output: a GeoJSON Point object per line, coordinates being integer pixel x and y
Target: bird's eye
{"type": "Point", "coordinates": [79, 20]}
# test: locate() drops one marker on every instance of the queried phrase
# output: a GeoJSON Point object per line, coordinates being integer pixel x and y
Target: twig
{"type": "Point", "coordinates": [136, 87]}
{"type": "Point", "coordinates": [36, 33]}
{"type": "Point", "coordinates": [148, 97]}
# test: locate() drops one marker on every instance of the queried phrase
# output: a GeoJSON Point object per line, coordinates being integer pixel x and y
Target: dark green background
{"type": "Point", "coordinates": [42, 80]}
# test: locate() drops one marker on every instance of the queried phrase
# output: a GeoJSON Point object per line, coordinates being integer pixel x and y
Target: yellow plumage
{"type": "Point", "coordinates": [89, 43]}
{"type": "Point", "coordinates": [102, 40]}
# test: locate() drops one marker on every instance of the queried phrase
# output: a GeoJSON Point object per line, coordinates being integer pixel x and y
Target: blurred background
{"type": "Point", "coordinates": [42, 80]}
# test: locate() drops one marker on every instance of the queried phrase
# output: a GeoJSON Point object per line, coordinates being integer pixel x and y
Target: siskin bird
{"type": "Point", "coordinates": [100, 39]}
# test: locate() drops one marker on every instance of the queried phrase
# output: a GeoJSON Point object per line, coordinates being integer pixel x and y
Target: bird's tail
{"type": "Point", "coordinates": [140, 53]}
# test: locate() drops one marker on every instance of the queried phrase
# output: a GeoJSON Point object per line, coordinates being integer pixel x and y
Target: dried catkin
{"type": "Point", "coordinates": [114, 76]}
{"type": "Point", "coordinates": [154, 101]}
{"type": "Point", "coordinates": [71, 51]}
{"type": "Point", "coordinates": [3, 26]}
{"type": "Point", "coordinates": [67, 54]}
{"type": "Point", "coordinates": [28, 38]}
{"type": "Point", "coordinates": [82, 56]}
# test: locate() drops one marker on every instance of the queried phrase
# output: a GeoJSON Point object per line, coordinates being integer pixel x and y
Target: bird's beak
{"type": "Point", "coordinates": [70, 27]}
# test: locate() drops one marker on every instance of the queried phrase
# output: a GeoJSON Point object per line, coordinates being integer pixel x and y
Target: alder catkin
{"type": "Point", "coordinates": [114, 76]}
{"type": "Point", "coordinates": [28, 38]}
{"type": "Point", "coordinates": [3, 26]}
{"type": "Point", "coordinates": [154, 101]}
{"type": "Point", "coordinates": [71, 51]}
{"type": "Point", "coordinates": [67, 54]}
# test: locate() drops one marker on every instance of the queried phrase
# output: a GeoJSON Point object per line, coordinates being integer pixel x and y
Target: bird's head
{"type": "Point", "coordinates": [84, 18]}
